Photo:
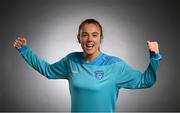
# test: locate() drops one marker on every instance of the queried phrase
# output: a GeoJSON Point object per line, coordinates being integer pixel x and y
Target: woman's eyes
{"type": "Point", "coordinates": [95, 34]}
{"type": "Point", "coordinates": [86, 35]}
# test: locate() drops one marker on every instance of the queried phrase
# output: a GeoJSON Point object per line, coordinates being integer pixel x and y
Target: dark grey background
{"type": "Point", "coordinates": [51, 28]}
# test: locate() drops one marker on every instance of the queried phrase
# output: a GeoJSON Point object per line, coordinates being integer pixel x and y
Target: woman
{"type": "Point", "coordinates": [94, 77]}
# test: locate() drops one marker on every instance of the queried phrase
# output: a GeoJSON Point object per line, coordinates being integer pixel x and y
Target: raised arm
{"type": "Point", "coordinates": [57, 70]}
{"type": "Point", "coordinates": [133, 79]}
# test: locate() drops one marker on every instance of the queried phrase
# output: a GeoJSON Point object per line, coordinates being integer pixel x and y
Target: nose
{"type": "Point", "coordinates": [90, 38]}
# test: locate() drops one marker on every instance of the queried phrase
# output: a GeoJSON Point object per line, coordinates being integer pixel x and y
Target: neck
{"type": "Point", "coordinates": [90, 57]}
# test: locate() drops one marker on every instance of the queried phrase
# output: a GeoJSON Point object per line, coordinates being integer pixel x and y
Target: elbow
{"type": "Point", "coordinates": [47, 72]}
{"type": "Point", "coordinates": [151, 84]}
{"type": "Point", "coordinates": [49, 77]}
{"type": "Point", "coordinates": [146, 84]}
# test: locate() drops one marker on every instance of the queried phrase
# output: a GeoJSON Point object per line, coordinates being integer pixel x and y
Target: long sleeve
{"type": "Point", "coordinates": [57, 70]}
{"type": "Point", "coordinates": [133, 79]}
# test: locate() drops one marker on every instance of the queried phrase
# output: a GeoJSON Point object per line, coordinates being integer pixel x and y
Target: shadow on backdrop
{"type": "Point", "coordinates": [51, 28]}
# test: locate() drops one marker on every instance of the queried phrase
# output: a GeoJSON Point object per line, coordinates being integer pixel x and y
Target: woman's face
{"type": "Point", "coordinates": [90, 39]}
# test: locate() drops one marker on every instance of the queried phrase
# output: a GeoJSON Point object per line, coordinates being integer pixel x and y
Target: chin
{"type": "Point", "coordinates": [89, 52]}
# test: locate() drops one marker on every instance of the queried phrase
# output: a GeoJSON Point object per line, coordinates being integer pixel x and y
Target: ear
{"type": "Point", "coordinates": [101, 39]}
{"type": "Point", "coordinates": [78, 38]}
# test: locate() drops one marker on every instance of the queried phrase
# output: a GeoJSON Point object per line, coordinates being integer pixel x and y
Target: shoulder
{"type": "Point", "coordinates": [109, 59]}
{"type": "Point", "coordinates": [74, 56]}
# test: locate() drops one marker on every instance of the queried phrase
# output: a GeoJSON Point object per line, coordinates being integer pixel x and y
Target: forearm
{"type": "Point", "coordinates": [134, 79]}
{"type": "Point", "coordinates": [34, 61]}
{"type": "Point", "coordinates": [148, 78]}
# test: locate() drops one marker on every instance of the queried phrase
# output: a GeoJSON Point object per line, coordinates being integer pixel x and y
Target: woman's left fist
{"type": "Point", "coordinates": [153, 46]}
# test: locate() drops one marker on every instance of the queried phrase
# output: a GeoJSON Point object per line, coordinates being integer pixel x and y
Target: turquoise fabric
{"type": "Point", "coordinates": [94, 86]}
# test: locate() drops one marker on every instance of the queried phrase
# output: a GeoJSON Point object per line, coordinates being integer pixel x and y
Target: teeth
{"type": "Point", "coordinates": [89, 45]}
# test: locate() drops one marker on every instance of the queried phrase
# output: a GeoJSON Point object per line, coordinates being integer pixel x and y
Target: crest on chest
{"type": "Point", "coordinates": [99, 74]}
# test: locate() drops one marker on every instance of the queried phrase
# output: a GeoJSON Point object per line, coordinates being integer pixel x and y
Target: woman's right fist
{"type": "Point", "coordinates": [20, 42]}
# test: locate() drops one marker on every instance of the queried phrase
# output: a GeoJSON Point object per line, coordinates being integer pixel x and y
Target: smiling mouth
{"type": "Point", "coordinates": [89, 46]}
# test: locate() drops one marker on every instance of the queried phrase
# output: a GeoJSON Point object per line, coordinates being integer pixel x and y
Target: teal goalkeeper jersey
{"type": "Point", "coordinates": [94, 86]}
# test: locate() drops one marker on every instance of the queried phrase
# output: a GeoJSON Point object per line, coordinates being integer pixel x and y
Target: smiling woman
{"type": "Point", "coordinates": [90, 36]}
{"type": "Point", "coordinates": [94, 77]}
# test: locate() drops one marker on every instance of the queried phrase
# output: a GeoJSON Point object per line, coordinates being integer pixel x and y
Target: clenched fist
{"type": "Point", "coordinates": [20, 42]}
{"type": "Point", "coordinates": [153, 46]}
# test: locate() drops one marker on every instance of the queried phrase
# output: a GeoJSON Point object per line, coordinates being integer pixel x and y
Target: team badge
{"type": "Point", "coordinates": [99, 74]}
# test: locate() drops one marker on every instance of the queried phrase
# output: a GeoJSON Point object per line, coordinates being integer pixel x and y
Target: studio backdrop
{"type": "Point", "coordinates": [51, 27]}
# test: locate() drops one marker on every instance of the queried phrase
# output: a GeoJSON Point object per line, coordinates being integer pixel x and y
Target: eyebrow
{"type": "Point", "coordinates": [95, 33]}
{"type": "Point", "coordinates": [92, 33]}
{"type": "Point", "coordinates": [84, 33]}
